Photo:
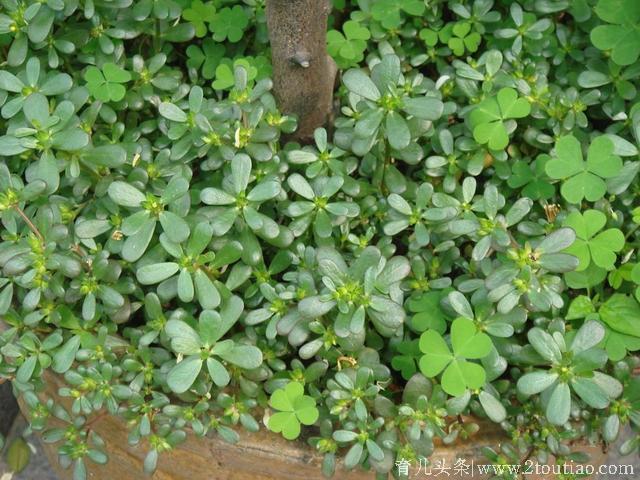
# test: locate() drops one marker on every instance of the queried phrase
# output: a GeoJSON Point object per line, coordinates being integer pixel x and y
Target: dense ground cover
{"type": "Point", "coordinates": [461, 240]}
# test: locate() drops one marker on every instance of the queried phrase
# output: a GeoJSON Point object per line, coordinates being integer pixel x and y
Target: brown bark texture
{"type": "Point", "coordinates": [303, 72]}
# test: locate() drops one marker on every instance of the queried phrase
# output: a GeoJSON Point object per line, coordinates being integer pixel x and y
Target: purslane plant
{"type": "Point", "coordinates": [459, 245]}
{"type": "Point", "coordinates": [573, 369]}
{"type": "Point", "coordinates": [204, 347]}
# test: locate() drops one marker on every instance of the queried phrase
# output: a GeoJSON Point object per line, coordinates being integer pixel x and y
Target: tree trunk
{"type": "Point", "coordinates": [303, 72]}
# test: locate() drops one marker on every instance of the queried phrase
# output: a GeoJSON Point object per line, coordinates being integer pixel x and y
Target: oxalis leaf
{"type": "Point", "coordinates": [294, 407]}
{"type": "Point", "coordinates": [459, 374]}
{"type": "Point", "coordinates": [489, 116]}
{"type": "Point", "coordinates": [591, 244]}
{"type": "Point", "coordinates": [622, 37]}
{"type": "Point", "coordinates": [106, 84]}
{"type": "Point", "coordinates": [622, 314]}
{"type": "Point", "coordinates": [583, 179]}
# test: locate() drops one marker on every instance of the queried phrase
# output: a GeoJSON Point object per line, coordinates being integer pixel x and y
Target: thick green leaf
{"type": "Point", "coordinates": [181, 377]}
{"type": "Point", "coordinates": [398, 132]}
{"type": "Point", "coordinates": [172, 112]}
{"type": "Point", "coordinates": [156, 272]}
{"type": "Point", "coordinates": [590, 392]}
{"type": "Point", "coordinates": [66, 354]}
{"type": "Point", "coordinates": [218, 373]}
{"type": "Point", "coordinates": [184, 339]}
{"type": "Point", "coordinates": [535, 382]}
{"type": "Point", "coordinates": [359, 83]}
{"type": "Point", "coordinates": [111, 156]}
{"type": "Point", "coordinates": [425, 108]}
{"type": "Point", "coordinates": [559, 406]}
{"type": "Point", "coordinates": [244, 356]}
{"type": "Point", "coordinates": [544, 344]}
{"type": "Point", "coordinates": [126, 195]}
{"type": "Point", "coordinates": [492, 407]}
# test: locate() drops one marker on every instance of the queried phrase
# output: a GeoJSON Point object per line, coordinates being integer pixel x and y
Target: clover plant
{"type": "Point", "coordinates": [583, 179]}
{"type": "Point", "coordinates": [457, 245]}
{"type": "Point", "coordinates": [348, 47]}
{"type": "Point", "coordinates": [460, 38]}
{"type": "Point", "coordinates": [390, 12]}
{"type": "Point", "coordinates": [294, 407]}
{"type": "Point", "coordinates": [592, 245]}
{"type": "Point", "coordinates": [106, 84]}
{"type": "Point", "coordinates": [489, 117]}
{"type": "Point", "coordinates": [620, 34]}
{"type": "Point", "coordinates": [458, 373]}
{"type": "Point", "coordinates": [200, 14]}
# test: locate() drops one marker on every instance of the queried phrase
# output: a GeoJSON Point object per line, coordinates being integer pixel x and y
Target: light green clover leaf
{"type": "Point", "coordinates": [208, 57]}
{"type": "Point", "coordinates": [408, 354]}
{"type": "Point", "coordinates": [387, 12]}
{"type": "Point", "coordinates": [224, 75]}
{"type": "Point", "coordinates": [463, 39]}
{"type": "Point", "coordinates": [198, 14]}
{"type": "Point", "coordinates": [468, 344]}
{"type": "Point", "coordinates": [621, 317]}
{"type": "Point", "coordinates": [488, 118]}
{"type": "Point", "coordinates": [617, 345]}
{"type": "Point", "coordinates": [294, 407]}
{"type": "Point", "coordinates": [428, 314]}
{"type": "Point", "coordinates": [229, 23]}
{"type": "Point", "coordinates": [106, 84]}
{"type": "Point", "coordinates": [591, 246]}
{"type": "Point", "coordinates": [583, 179]}
{"type": "Point", "coordinates": [348, 49]}
{"type": "Point", "coordinates": [622, 37]}
{"type": "Point", "coordinates": [622, 314]}
{"type": "Point", "coordinates": [429, 36]}
{"type": "Point", "coordinates": [635, 278]}
{"type": "Point", "coordinates": [532, 178]}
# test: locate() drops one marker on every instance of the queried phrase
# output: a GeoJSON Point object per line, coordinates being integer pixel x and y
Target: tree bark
{"type": "Point", "coordinates": [303, 72]}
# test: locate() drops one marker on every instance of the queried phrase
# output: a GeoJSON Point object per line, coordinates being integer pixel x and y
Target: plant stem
{"type": "Point", "coordinates": [381, 164]}
{"type": "Point", "coordinates": [156, 36]}
{"type": "Point", "coordinates": [635, 227]}
{"type": "Point", "coordinates": [29, 223]}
